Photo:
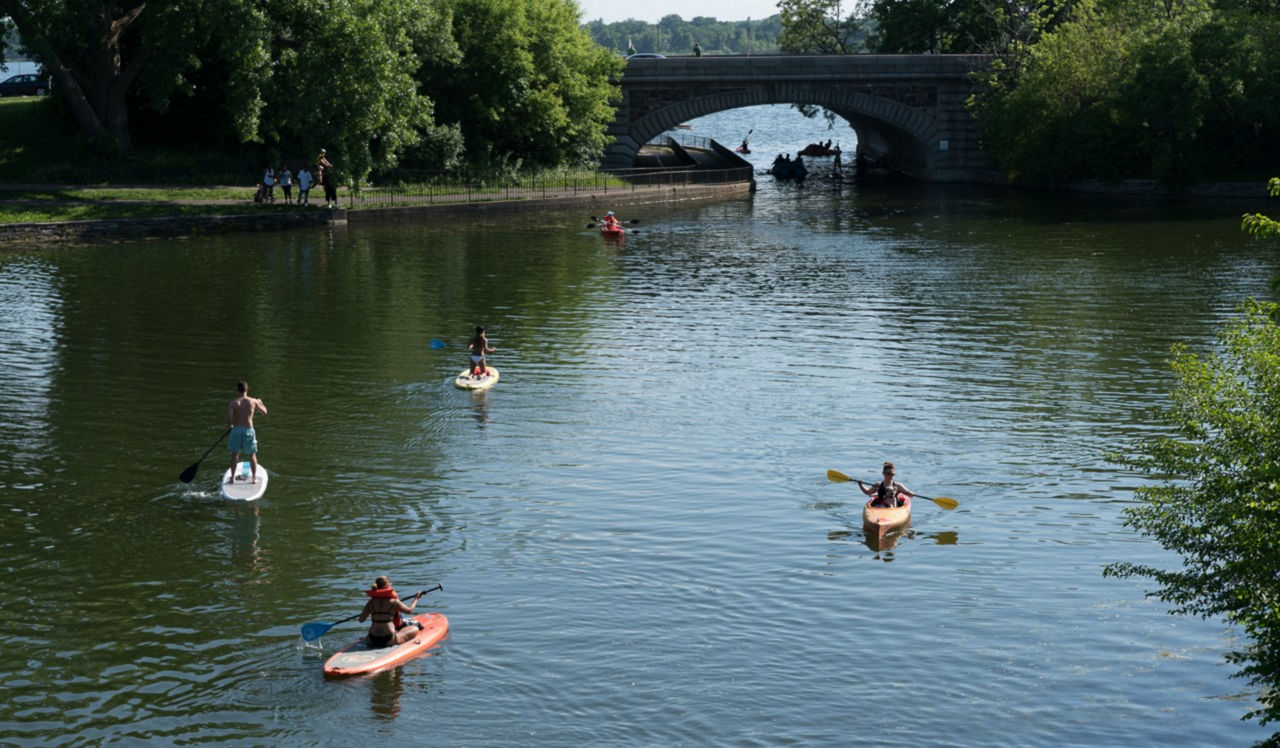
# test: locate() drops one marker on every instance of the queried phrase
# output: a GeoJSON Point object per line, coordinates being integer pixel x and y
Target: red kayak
{"type": "Point", "coordinates": [357, 657]}
{"type": "Point", "coordinates": [740, 149]}
{"type": "Point", "coordinates": [612, 229]}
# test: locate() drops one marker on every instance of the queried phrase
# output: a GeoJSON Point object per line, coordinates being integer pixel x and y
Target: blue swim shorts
{"type": "Point", "coordinates": [243, 440]}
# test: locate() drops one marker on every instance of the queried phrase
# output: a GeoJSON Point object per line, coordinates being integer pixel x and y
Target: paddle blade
{"type": "Point", "coordinates": [946, 502]}
{"type": "Point", "coordinates": [313, 631]}
{"type": "Point", "coordinates": [190, 473]}
{"type": "Point", "coordinates": [838, 476]}
{"type": "Point", "coordinates": [437, 343]}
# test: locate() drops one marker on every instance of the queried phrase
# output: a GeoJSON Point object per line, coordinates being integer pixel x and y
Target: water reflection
{"type": "Point", "coordinates": [480, 408]}
{"type": "Point", "coordinates": [29, 343]}
{"type": "Point", "coordinates": [385, 690]}
{"type": "Point", "coordinates": [246, 526]}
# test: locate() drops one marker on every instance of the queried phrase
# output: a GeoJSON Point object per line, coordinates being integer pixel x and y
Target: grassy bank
{"type": "Point", "coordinates": [50, 173]}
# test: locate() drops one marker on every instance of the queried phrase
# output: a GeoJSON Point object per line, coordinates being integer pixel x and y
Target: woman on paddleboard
{"type": "Point", "coordinates": [479, 345]}
{"type": "Point", "coordinates": [887, 489]}
{"type": "Point", "coordinates": [384, 607]}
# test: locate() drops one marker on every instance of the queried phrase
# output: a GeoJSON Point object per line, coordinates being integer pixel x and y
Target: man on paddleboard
{"type": "Point", "coordinates": [887, 489]}
{"type": "Point", "coordinates": [243, 438]}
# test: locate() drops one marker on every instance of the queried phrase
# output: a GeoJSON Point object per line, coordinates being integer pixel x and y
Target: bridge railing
{"type": "Point", "coordinates": [406, 188]}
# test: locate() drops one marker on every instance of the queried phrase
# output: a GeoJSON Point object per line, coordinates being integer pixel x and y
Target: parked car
{"type": "Point", "coordinates": [650, 55]}
{"type": "Point", "coordinates": [29, 84]}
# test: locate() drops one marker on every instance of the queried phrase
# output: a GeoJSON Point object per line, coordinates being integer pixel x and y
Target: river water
{"type": "Point", "coordinates": [634, 530]}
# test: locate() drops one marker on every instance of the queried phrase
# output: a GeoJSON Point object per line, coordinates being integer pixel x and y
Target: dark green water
{"type": "Point", "coordinates": [634, 531]}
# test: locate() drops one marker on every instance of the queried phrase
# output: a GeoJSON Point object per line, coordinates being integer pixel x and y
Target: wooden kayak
{"type": "Point", "coordinates": [879, 522]}
{"type": "Point", "coordinates": [464, 380]}
{"type": "Point", "coordinates": [357, 657]}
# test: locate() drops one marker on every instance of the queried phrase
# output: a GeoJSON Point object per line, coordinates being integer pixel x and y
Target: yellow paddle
{"type": "Point", "coordinates": [946, 502]}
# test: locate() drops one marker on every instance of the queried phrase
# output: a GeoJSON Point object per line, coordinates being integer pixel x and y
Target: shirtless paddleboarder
{"type": "Point", "coordinates": [243, 439]}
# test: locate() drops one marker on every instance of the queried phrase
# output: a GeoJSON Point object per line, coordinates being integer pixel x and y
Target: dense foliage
{"type": "Point", "coordinates": [529, 88]}
{"type": "Point", "coordinates": [1217, 500]}
{"type": "Point", "coordinates": [1180, 92]}
{"type": "Point", "coordinates": [427, 83]}
{"type": "Point", "coordinates": [820, 27]}
{"type": "Point", "coordinates": [674, 35]}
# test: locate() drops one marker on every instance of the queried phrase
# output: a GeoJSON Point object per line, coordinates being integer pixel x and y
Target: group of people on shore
{"type": "Point", "coordinates": [285, 179]}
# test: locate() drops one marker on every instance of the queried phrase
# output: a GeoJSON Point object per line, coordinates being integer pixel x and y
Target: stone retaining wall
{"type": "Point", "coordinates": [15, 235]}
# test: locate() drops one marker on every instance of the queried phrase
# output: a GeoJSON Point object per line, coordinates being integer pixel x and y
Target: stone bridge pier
{"type": "Point", "coordinates": [908, 110]}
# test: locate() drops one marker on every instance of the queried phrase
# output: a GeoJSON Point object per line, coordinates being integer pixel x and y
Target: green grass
{"type": "Point", "coordinates": [101, 211]}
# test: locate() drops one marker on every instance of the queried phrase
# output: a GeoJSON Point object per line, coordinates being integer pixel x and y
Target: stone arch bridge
{"type": "Point", "coordinates": [907, 110]}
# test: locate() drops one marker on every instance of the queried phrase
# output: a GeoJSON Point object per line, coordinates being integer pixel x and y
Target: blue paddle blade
{"type": "Point", "coordinates": [313, 631]}
{"type": "Point", "coordinates": [437, 343]}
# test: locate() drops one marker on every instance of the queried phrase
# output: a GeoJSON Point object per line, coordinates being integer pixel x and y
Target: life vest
{"type": "Point", "coordinates": [383, 616]}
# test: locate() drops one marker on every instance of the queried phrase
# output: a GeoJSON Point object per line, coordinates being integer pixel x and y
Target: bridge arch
{"type": "Point", "coordinates": [907, 108]}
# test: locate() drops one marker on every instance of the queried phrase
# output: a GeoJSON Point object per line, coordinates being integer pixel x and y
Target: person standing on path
{"type": "Point", "coordinates": [330, 189]}
{"type": "Point", "coordinates": [243, 438]}
{"type": "Point", "coordinates": [304, 186]}
{"type": "Point", "coordinates": [269, 183]}
{"type": "Point", "coordinates": [286, 185]}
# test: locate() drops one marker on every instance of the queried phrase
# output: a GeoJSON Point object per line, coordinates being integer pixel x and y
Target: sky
{"type": "Point", "coordinates": [653, 10]}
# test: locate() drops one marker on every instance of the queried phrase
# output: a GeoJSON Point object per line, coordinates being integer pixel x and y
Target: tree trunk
{"type": "Point", "coordinates": [95, 89]}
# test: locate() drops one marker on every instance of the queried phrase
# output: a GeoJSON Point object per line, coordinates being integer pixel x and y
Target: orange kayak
{"type": "Point", "coordinates": [357, 657]}
{"type": "Point", "coordinates": [612, 229]}
{"type": "Point", "coordinates": [880, 521]}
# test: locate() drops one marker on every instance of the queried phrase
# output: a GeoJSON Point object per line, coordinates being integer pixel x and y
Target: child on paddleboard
{"type": "Point", "coordinates": [384, 607]}
{"type": "Point", "coordinates": [887, 489]}
{"type": "Point", "coordinates": [243, 438]}
{"type": "Point", "coordinates": [479, 345]}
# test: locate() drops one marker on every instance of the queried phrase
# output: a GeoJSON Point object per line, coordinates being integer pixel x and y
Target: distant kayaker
{"type": "Point", "coordinates": [243, 438]}
{"type": "Point", "coordinates": [479, 345]}
{"type": "Point", "coordinates": [885, 490]}
{"type": "Point", "coordinates": [611, 220]}
{"type": "Point", "coordinates": [385, 607]}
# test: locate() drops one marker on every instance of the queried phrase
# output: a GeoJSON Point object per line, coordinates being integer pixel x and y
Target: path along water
{"type": "Point", "coordinates": [634, 529]}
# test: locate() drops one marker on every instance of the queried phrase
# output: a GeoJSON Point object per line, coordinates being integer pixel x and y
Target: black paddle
{"type": "Point", "coordinates": [315, 630]}
{"type": "Point", "coordinates": [190, 473]}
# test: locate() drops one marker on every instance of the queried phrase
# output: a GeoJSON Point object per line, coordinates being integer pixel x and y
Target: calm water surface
{"type": "Point", "coordinates": [634, 531]}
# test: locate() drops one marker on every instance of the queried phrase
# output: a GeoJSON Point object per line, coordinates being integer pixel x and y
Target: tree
{"type": "Point", "coordinates": [80, 44]}
{"type": "Point", "coordinates": [300, 75]}
{"type": "Point", "coordinates": [819, 27]}
{"type": "Point", "coordinates": [530, 87]}
{"type": "Point", "coordinates": [943, 26]}
{"type": "Point", "coordinates": [1216, 501]}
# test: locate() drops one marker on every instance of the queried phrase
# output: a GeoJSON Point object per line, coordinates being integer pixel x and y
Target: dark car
{"type": "Point", "coordinates": [648, 55]}
{"type": "Point", "coordinates": [24, 85]}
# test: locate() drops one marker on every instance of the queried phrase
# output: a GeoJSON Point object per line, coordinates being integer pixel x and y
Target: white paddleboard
{"type": "Point", "coordinates": [465, 381]}
{"type": "Point", "coordinates": [243, 488]}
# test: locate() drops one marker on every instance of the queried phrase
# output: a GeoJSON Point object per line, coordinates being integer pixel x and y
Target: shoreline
{"type": "Point", "coordinates": [106, 231]}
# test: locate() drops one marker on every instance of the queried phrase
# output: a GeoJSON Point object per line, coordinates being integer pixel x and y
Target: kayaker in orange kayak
{"type": "Point", "coordinates": [611, 220]}
{"type": "Point", "coordinates": [887, 489]}
{"type": "Point", "coordinates": [385, 607]}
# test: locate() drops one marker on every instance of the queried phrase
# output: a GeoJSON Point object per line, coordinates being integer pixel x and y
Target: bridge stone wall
{"type": "Point", "coordinates": [907, 110]}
